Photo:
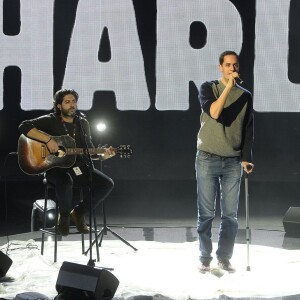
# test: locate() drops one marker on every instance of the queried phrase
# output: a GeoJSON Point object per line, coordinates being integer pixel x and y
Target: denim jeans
{"type": "Point", "coordinates": [214, 172]}
{"type": "Point", "coordinates": [63, 179]}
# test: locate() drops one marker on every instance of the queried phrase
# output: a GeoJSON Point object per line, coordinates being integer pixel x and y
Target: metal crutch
{"type": "Point", "coordinates": [248, 232]}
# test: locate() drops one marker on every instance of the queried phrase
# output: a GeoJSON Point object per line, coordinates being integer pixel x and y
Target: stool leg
{"type": "Point", "coordinates": [96, 235]}
{"type": "Point", "coordinates": [32, 217]}
{"type": "Point", "coordinates": [82, 243]}
{"type": "Point", "coordinates": [44, 220]}
{"type": "Point", "coordinates": [56, 233]}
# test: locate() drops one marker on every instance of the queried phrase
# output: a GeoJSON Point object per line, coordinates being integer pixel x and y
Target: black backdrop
{"type": "Point", "coordinates": [159, 179]}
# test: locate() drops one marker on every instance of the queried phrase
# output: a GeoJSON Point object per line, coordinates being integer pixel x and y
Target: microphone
{"type": "Point", "coordinates": [80, 115]}
{"type": "Point", "coordinates": [239, 80]}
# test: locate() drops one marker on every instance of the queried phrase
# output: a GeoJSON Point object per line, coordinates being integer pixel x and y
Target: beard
{"type": "Point", "coordinates": [68, 113]}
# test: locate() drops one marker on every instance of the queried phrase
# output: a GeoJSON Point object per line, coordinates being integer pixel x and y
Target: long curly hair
{"type": "Point", "coordinates": [59, 97]}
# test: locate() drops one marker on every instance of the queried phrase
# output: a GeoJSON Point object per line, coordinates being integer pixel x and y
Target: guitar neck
{"type": "Point", "coordinates": [82, 151]}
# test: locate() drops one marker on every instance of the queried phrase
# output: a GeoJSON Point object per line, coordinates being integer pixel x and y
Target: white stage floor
{"type": "Point", "coordinates": [165, 265]}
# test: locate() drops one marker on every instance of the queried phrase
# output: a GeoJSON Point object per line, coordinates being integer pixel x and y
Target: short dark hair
{"type": "Point", "coordinates": [59, 97]}
{"type": "Point", "coordinates": [227, 52]}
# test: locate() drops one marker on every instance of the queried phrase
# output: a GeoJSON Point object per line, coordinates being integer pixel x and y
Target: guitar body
{"type": "Point", "coordinates": [34, 157]}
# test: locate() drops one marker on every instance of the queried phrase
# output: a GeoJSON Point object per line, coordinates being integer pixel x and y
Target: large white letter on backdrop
{"type": "Point", "coordinates": [177, 62]}
{"type": "Point", "coordinates": [124, 73]}
{"type": "Point", "coordinates": [273, 91]}
{"type": "Point", "coordinates": [32, 51]}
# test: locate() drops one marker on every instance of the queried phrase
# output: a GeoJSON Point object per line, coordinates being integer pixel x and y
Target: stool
{"type": "Point", "coordinates": [54, 230]}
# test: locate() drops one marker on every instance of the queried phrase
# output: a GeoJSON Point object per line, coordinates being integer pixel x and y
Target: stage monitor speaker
{"type": "Point", "coordinates": [291, 221]}
{"type": "Point", "coordinates": [86, 282]}
{"type": "Point", "coordinates": [5, 263]}
{"type": "Point", "coordinates": [30, 296]}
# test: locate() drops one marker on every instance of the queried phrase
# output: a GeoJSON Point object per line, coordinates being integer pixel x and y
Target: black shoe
{"type": "Point", "coordinates": [79, 220]}
{"type": "Point", "coordinates": [204, 267]}
{"type": "Point", "coordinates": [225, 265]}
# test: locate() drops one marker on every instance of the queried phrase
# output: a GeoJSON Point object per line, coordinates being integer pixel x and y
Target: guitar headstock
{"type": "Point", "coordinates": [124, 151]}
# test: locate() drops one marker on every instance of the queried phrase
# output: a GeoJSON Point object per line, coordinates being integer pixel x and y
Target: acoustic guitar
{"type": "Point", "coordinates": [34, 157]}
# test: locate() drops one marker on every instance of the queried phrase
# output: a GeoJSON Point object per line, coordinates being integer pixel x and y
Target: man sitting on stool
{"type": "Point", "coordinates": [65, 121]}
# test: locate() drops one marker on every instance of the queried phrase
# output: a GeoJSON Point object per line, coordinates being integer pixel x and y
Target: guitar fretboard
{"type": "Point", "coordinates": [74, 151]}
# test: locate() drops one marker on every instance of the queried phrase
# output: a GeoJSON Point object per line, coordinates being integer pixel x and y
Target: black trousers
{"type": "Point", "coordinates": [64, 180]}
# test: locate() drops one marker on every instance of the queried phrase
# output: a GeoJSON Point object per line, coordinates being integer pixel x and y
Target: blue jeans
{"type": "Point", "coordinates": [64, 178]}
{"type": "Point", "coordinates": [214, 172]}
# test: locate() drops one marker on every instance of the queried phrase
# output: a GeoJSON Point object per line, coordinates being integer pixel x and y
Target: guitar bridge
{"type": "Point", "coordinates": [43, 152]}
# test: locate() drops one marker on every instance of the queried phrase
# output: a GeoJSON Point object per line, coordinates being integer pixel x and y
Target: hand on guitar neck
{"type": "Point", "coordinates": [108, 152]}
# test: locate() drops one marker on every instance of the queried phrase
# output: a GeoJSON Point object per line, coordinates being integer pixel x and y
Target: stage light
{"type": "Point", "coordinates": [38, 214]}
{"type": "Point", "coordinates": [50, 215]}
{"type": "Point", "coordinates": [101, 126]}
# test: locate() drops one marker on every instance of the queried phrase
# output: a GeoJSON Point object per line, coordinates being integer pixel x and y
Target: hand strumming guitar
{"type": "Point", "coordinates": [52, 146]}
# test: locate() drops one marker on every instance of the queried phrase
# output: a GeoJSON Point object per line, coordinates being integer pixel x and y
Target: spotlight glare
{"type": "Point", "coordinates": [101, 126]}
{"type": "Point", "coordinates": [51, 216]}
